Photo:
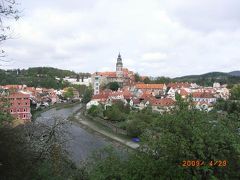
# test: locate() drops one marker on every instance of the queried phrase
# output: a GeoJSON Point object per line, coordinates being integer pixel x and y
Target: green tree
{"type": "Point", "coordinates": [147, 80]}
{"type": "Point", "coordinates": [68, 93]}
{"type": "Point", "coordinates": [186, 134]}
{"type": "Point", "coordinates": [96, 111]}
{"type": "Point", "coordinates": [235, 92]}
{"type": "Point", "coordinates": [113, 113]}
{"type": "Point", "coordinates": [114, 86]}
{"type": "Point", "coordinates": [87, 95]}
{"type": "Point", "coordinates": [137, 77]}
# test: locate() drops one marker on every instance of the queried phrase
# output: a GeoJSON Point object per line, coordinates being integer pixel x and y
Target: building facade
{"type": "Point", "coordinates": [20, 106]}
{"type": "Point", "coordinates": [122, 75]}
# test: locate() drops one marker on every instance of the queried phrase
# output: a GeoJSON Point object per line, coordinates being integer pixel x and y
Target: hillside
{"type": "Point", "coordinates": [234, 73]}
{"type": "Point", "coordinates": [209, 78]}
{"type": "Point", "coordinates": [38, 76]}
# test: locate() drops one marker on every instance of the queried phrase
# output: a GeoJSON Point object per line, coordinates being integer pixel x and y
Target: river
{"type": "Point", "coordinates": [82, 142]}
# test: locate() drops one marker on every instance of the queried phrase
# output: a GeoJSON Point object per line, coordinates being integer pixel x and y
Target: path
{"type": "Point", "coordinates": [93, 126]}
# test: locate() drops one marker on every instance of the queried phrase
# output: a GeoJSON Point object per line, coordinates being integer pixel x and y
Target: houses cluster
{"type": "Point", "coordinates": [22, 98]}
{"type": "Point", "coordinates": [162, 97]}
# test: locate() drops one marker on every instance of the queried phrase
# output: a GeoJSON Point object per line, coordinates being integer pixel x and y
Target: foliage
{"type": "Point", "coordinates": [114, 86]}
{"type": "Point", "coordinates": [5, 116]}
{"type": "Point", "coordinates": [147, 80]}
{"type": "Point", "coordinates": [105, 164]}
{"type": "Point", "coordinates": [169, 139]}
{"type": "Point", "coordinates": [95, 111]}
{"type": "Point", "coordinates": [68, 93]}
{"type": "Point", "coordinates": [87, 95]}
{"type": "Point", "coordinates": [39, 77]}
{"type": "Point", "coordinates": [113, 113]}
{"type": "Point", "coordinates": [137, 77]}
{"type": "Point", "coordinates": [8, 10]}
{"type": "Point", "coordinates": [35, 151]}
{"type": "Point", "coordinates": [80, 88]}
{"type": "Point", "coordinates": [209, 78]}
{"type": "Point", "coordinates": [161, 80]}
{"type": "Point", "coordinates": [235, 92]}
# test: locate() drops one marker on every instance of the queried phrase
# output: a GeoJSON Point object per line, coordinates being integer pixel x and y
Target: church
{"type": "Point", "coordinates": [122, 75]}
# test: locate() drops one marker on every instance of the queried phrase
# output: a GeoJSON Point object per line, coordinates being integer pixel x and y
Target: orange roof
{"type": "Point", "coordinates": [13, 86]}
{"type": "Point", "coordinates": [202, 95]}
{"type": "Point", "coordinates": [18, 95]}
{"type": "Point", "coordinates": [100, 96]}
{"type": "Point", "coordinates": [107, 74]}
{"type": "Point", "coordinates": [183, 92]}
{"type": "Point", "coordinates": [179, 85]}
{"type": "Point", "coordinates": [150, 86]}
{"type": "Point", "coordinates": [162, 102]}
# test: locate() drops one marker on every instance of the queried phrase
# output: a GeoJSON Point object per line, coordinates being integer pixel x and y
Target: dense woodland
{"type": "Point", "coordinates": [204, 80]}
{"type": "Point", "coordinates": [39, 77]}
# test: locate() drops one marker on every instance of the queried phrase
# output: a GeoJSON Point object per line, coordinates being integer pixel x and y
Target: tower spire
{"type": "Point", "coordinates": [119, 66]}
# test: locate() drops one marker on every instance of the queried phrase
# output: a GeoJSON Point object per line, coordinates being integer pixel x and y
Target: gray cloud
{"type": "Point", "coordinates": [169, 37]}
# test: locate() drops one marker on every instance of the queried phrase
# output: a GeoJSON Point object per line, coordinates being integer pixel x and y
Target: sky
{"type": "Point", "coordinates": [155, 37]}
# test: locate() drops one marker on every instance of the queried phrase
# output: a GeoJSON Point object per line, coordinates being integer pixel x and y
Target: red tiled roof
{"type": "Point", "coordinates": [150, 86]}
{"type": "Point", "coordinates": [100, 96]}
{"type": "Point", "coordinates": [18, 95]}
{"type": "Point", "coordinates": [178, 85]}
{"type": "Point", "coordinates": [162, 102]}
{"type": "Point", "coordinates": [202, 95]}
{"type": "Point", "coordinates": [13, 86]}
{"type": "Point", "coordinates": [106, 74]}
{"type": "Point", "coordinates": [183, 92]}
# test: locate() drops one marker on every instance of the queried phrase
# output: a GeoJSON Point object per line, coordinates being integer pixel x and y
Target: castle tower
{"type": "Point", "coordinates": [119, 67]}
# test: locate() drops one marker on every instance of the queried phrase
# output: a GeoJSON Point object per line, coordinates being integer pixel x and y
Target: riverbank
{"type": "Point", "coordinates": [103, 130]}
{"type": "Point", "coordinates": [58, 106]}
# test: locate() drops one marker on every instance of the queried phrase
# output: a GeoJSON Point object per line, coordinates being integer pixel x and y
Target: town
{"type": "Point", "coordinates": [119, 90]}
{"type": "Point", "coordinates": [161, 97]}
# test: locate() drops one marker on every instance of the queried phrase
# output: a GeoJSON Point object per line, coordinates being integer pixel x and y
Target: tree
{"type": "Point", "coordinates": [114, 114]}
{"type": "Point", "coordinates": [80, 88]}
{"type": "Point", "coordinates": [95, 111]}
{"type": "Point", "coordinates": [36, 151]}
{"type": "Point", "coordinates": [7, 11]}
{"type": "Point", "coordinates": [114, 86]}
{"type": "Point", "coordinates": [235, 92]}
{"type": "Point", "coordinates": [87, 96]}
{"type": "Point", "coordinates": [185, 134]}
{"type": "Point", "coordinates": [137, 77]}
{"type": "Point", "coordinates": [69, 93]}
{"type": "Point", "coordinates": [147, 80]}
{"type": "Point", "coordinates": [5, 116]}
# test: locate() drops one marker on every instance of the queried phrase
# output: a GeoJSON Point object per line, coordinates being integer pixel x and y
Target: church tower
{"type": "Point", "coordinates": [119, 67]}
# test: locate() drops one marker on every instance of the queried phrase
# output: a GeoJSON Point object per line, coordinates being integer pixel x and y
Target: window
{"type": "Point", "coordinates": [24, 110]}
{"type": "Point", "coordinates": [26, 103]}
{"type": "Point", "coordinates": [24, 115]}
{"type": "Point", "coordinates": [11, 110]}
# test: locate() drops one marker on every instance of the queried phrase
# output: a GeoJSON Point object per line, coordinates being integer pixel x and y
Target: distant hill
{"type": "Point", "coordinates": [37, 77]}
{"type": "Point", "coordinates": [209, 78]}
{"type": "Point", "coordinates": [234, 73]}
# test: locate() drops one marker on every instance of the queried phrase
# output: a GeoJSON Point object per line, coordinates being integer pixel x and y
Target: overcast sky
{"type": "Point", "coordinates": [155, 37]}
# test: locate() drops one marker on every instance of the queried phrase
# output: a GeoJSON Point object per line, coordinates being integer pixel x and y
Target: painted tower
{"type": "Point", "coordinates": [119, 67]}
